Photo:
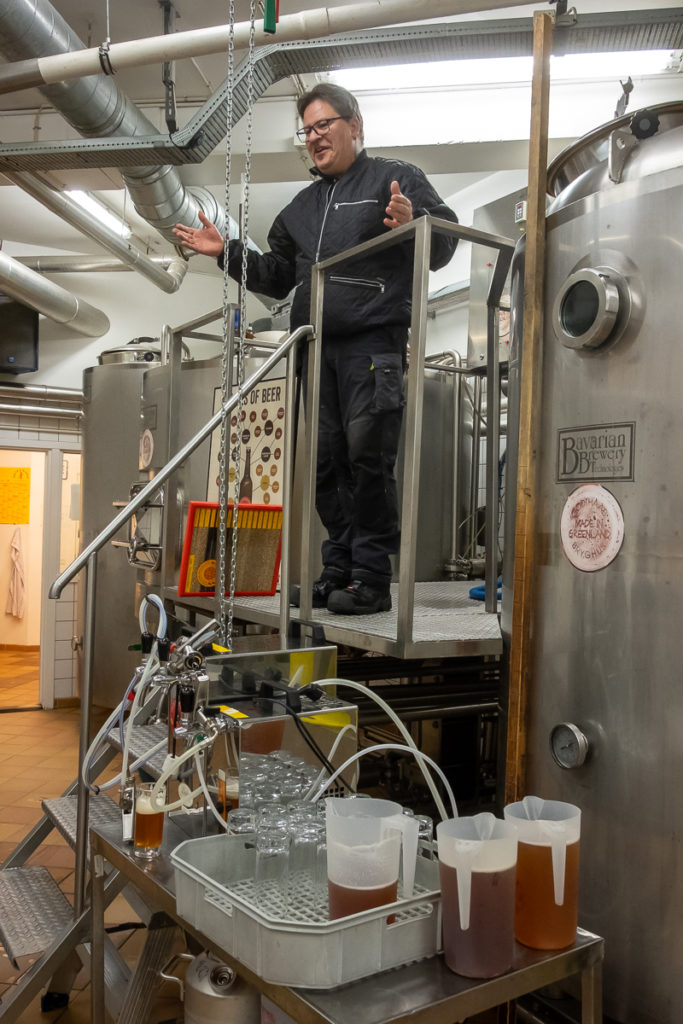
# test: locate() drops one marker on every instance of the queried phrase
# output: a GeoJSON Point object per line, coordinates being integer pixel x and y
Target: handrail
{"type": "Point", "coordinates": [141, 498]}
{"type": "Point", "coordinates": [421, 229]}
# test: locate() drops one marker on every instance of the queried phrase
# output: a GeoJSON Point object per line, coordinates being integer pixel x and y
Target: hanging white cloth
{"type": "Point", "coordinates": [17, 585]}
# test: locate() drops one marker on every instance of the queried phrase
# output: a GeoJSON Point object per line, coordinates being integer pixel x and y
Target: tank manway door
{"type": "Point", "coordinates": [593, 306]}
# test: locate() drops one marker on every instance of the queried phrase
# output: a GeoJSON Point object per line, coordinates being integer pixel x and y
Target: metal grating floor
{"type": "Point", "coordinates": [143, 738]}
{"type": "Point", "coordinates": [33, 911]}
{"type": "Point", "coordinates": [62, 811]}
{"type": "Point", "coordinates": [446, 623]}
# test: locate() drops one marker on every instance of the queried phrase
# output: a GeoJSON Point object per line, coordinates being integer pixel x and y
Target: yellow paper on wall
{"type": "Point", "coordinates": [15, 494]}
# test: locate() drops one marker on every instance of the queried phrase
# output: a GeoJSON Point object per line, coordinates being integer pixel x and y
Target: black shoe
{"type": "Point", "coordinates": [330, 580]}
{"type": "Point", "coordinates": [359, 599]}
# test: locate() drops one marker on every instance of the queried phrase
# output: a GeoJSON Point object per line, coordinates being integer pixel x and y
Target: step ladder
{"type": "Point", "coordinates": [43, 938]}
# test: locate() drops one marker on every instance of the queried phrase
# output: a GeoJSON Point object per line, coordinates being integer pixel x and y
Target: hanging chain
{"type": "Point", "coordinates": [243, 313]}
{"type": "Point", "coordinates": [226, 622]}
{"type": "Point", "coordinates": [223, 457]}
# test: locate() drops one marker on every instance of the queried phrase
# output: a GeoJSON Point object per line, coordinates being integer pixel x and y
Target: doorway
{"type": "Point", "coordinates": [39, 537]}
{"type": "Point", "coordinates": [22, 504]}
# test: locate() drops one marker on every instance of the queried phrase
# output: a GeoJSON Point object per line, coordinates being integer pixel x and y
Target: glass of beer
{"type": "Point", "coordinates": [148, 829]}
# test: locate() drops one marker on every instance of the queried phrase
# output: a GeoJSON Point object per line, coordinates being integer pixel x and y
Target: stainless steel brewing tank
{"type": "Point", "coordinates": [110, 458]}
{"type": "Point", "coordinates": [607, 623]}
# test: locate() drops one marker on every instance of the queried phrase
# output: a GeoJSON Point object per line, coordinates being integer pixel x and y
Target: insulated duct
{"type": "Point", "coordinates": [168, 280]}
{"type": "Point", "coordinates": [86, 264]}
{"type": "Point", "coordinates": [48, 298]}
{"type": "Point", "coordinates": [95, 106]}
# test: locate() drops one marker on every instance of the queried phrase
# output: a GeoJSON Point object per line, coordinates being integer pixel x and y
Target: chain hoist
{"type": "Point", "coordinates": [226, 621]}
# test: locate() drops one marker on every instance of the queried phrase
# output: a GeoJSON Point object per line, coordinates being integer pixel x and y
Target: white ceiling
{"type": "Point", "coordinates": [496, 141]}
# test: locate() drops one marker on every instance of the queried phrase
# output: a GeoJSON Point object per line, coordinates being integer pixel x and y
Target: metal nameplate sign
{"type": "Point", "coordinates": [604, 451]}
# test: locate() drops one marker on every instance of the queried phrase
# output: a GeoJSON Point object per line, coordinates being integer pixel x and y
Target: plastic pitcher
{"type": "Point", "coordinates": [364, 840]}
{"type": "Point", "coordinates": [547, 891]}
{"type": "Point", "coordinates": [477, 861]}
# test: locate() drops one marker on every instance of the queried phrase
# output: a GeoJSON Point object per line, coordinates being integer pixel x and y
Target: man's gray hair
{"type": "Point", "coordinates": [344, 102]}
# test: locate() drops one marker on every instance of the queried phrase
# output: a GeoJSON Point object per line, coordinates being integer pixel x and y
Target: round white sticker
{"type": "Point", "coordinates": [592, 527]}
{"type": "Point", "coordinates": [146, 448]}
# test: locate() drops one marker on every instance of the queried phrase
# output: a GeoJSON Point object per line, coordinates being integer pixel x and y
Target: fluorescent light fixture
{"type": "Point", "coordinates": [98, 210]}
{"type": "Point", "coordinates": [497, 70]}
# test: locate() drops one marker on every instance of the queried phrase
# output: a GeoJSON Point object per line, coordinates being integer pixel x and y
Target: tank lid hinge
{"type": "Point", "coordinates": [621, 142]}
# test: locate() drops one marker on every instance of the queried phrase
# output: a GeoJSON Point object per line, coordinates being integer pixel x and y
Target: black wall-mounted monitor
{"type": "Point", "coordinates": [18, 337]}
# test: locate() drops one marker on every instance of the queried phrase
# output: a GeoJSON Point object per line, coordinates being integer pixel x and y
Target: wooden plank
{"type": "Point", "coordinates": [520, 678]}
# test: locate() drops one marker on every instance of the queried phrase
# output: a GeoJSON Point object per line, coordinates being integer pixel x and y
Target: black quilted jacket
{"type": "Point", "coordinates": [332, 215]}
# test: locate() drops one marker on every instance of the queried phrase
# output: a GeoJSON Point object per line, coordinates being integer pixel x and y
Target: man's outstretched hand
{"type": "Point", "coordinates": [207, 240]}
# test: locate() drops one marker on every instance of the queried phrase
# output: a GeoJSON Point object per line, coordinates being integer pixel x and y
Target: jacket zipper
{"type": "Point", "coordinates": [322, 226]}
{"type": "Point", "coordinates": [366, 281]}
{"type": "Point", "coordinates": [358, 202]}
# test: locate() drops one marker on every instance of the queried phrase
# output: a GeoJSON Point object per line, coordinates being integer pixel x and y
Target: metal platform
{"type": "Point", "coordinates": [33, 911]}
{"type": "Point", "coordinates": [447, 623]}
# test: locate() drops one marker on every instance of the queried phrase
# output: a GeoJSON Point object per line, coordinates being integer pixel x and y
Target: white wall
{"type": "Point", "coordinates": [448, 331]}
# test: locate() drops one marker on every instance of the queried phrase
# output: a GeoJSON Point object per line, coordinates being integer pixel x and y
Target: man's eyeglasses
{"type": "Point", "coordinates": [320, 127]}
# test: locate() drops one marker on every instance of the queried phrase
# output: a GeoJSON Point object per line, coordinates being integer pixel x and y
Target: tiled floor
{"type": "Point", "coordinates": [19, 676]}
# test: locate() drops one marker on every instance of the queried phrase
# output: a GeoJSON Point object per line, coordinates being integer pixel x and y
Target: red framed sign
{"type": "Point", "coordinates": [258, 549]}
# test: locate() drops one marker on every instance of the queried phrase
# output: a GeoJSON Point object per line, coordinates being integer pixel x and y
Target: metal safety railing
{"type": "Point", "coordinates": [422, 230]}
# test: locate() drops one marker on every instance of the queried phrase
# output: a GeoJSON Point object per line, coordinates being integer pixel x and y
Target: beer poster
{"type": "Point", "coordinates": [260, 426]}
{"type": "Point", "coordinates": [258, 561]}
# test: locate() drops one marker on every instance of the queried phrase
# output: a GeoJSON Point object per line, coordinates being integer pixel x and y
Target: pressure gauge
{"type": "Point", "coordinates": [568, 745]}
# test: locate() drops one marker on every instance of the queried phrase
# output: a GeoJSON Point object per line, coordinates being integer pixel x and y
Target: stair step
{"type": "Point", "coordinates": [143, 738]}
{"type": "Point", "coordinates": [33, 911]}
{"type": "Point", "coordinates": [62, 811]}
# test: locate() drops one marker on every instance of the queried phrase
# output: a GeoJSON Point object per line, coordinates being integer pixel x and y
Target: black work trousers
{"type": "Point", "coordinates": [361, 407]}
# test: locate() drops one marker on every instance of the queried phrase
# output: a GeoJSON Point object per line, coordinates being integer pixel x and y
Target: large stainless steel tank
{"type": "Point", "coordinates": [111, 437]}
{"type": "Point", "coordinates": [609, 603]}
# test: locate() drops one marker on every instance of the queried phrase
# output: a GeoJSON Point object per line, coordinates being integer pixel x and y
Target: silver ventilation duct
{"type": "Point", "coordinates": [48, 298]}
{"type": "Point", "coordinates": [86, 264]}
{"type": "Point", "coordinates": [168, 280]}
{"type": "Point", "coordinates": [95, 106]}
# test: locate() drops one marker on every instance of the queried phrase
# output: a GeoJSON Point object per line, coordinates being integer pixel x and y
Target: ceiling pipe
{"type": "Point", "coordinates": [41, 391]}
{"type": "Point", "coordinates": [85, 264]}
{"type": "Point", "coordinates": [96, 107]}
{"type": "Point", "coordinates": [324, 21]}
{"type": "Point", "coordinates": [48, 298]}
{"type": "Point", "coordinates": [41, 410]}
{"type": "Point", "coordinates": [168, 280]}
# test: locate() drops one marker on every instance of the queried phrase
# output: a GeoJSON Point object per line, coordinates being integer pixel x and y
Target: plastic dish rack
{"type": "Point", "coordinates": [293, 942]}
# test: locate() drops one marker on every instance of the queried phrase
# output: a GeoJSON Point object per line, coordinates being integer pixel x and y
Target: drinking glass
{"type": "Point", "coordinates": [271, 872]}
{"type": "Point", "coordinates": [266, 793]}
{"type": "Point", "coordinates": [241, 821]}
{"type": "Point", "coordinates": [148, 827]}
{"type": "Point", "coordinates": [306, 840]}
{"type": "Point", "coordinates": [302, 810]}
